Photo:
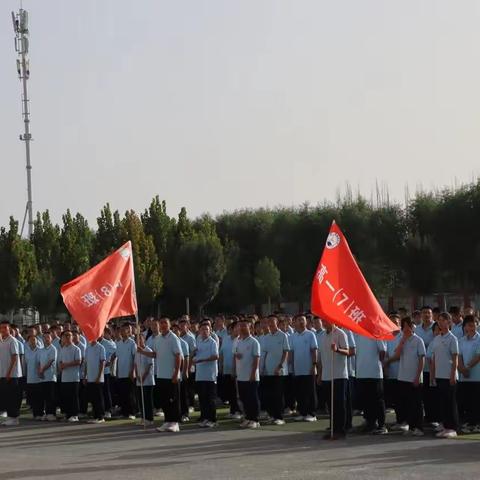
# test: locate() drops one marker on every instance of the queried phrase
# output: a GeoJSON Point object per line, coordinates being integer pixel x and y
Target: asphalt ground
{"type": "Point", "coordinates": [119, 449]}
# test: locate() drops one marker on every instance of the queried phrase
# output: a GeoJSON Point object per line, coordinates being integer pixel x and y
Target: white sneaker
{"type": "Point", "coordinates": [73, 419]}
{"type": "Point", "coordinates": [399, 427]}
{"type": "Point", "coordinates": [310, 418]}
{"type": "Point", "coordinates": [476, 429]}
{"type": "Point", "coordinates": [438, 428]}
{"type": "Point", "coordinates": [211, 424]}
{"type": "Point", "coordinates": [163, 428]}
{"type": "Point", "coordinates": [11, 422]}
{"type": "Point", "coordinates": [95, 421]}
{"type": "Point", "coordinates": [299, 418]}
{"type": "Point", "coordinates": [108, 415]}
{"type": "Point", "coordinates": [416, 432]}
{"type": "Point", "coordinates": [203, 423]}
{"type": "Point", "coordinates": [173, 427]}
{"type": "Point", "coordinates": [132, 417]}
{"type": "Point", "coordinates": [244, 423]}
{"type": "Point", "coordinates": [185, 419]}
{"type": "Point", "coordinates": [278, 421]}
{"type": "Point", "coordinates": [441, 433]}
{"type": "Point", "coordinates": [287, 411]}
{"type": "Point", "coordinates": [159, 413]}
{"type": "Point", "coordinates": [237, 416]}
{"type": "Point", "coordinates": [449, 434]}
{"type": "Point", "coordinates": [252, 425]}
{"type": "Point", "coordinates": [51, 418]}
{"type": "Point", "coordinates": [191, 409]}
{"type": "Point", "coordinates": [3, 415]}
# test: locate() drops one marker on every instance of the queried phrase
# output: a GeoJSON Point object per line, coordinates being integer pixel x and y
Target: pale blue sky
{"type": "Point", "coordinates": [219, 105]}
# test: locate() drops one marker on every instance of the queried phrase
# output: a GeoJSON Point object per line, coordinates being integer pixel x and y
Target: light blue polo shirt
{"type": "Point", "coordinates": [166, 348]}
{"type": "Point", "coordinates": [413, 349]}
{"type": "Point", "coordinates": [470, 349]}
{"type": "Point", "coordinates": [302, 344]}
{"type": "Point", "coordinates": [340, 364]}
{"type": "Point", "coordinates": [8, 347]}
{"type": "Point", "coordinates": [70, 354]}
{"type": "Point", "coordinates": [82, 348]}
{"type": "Point", "coordinates": [83, 341]}
{"type": "Point", "coordinates": [142, 363]}
{"type": "Point", "coordinates": [368, 357]}
{"type": "Point", "coordinates": [94, 354]}
{"type": "Point", "coordinates": [222, 334]}
{"type": "Point", "coordinates": [21, 349]}
{"type": "Point", "coordinates": [351, 361]}
{"type": "Point", "coordinates": [206, 371]}
{"type": "Point", "coordinates": [110, 348]}
{"type": "Point", "coordinates": [150, 340]}
{"type": "Point", "coordinates": [45, 355]}
{"type": "Point", "coordinates": [31, 359]}
{"type": "Point", "coordinates": [226, 350]}
{"type": "Point", "coordinates": [249, 348]}
{"type": "Point", "coordinates": [444, 346]}
{"type": "Point", "coordinates": [427, 337]}
{"type": "Point", "coordinates": [56, 343]}
{"type": "Point", "coordinates": [125, 357]}
{"type": "Point", "coordinates": [457, 330]}
{"type": "Point", "coordinates": [392, 369]}
{"type": "Point", "coordinates": [274, 346]}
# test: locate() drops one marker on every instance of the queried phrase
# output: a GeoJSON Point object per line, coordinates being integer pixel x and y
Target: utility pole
{"type": "Point", "coordinates": [20, 26]}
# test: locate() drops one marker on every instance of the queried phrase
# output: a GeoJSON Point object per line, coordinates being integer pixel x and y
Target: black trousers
{"type": "Point", "coordinates": [340, 386]}
{"type": "Point", "coordinates": [70, 402]}
{"type": "Point", "coordinates": [447, 399]}
{"type": "Point", "coordinates": [392, 399]}
{"type": "Point", "coordinates": [349, 394]}
{"type": "Point", "coordinates": [107, 392]}
{"type": "Point", "coordinates": [290, 397]}
{"type": "Point", "coordinates": [169, 399]}
{"type": "Point", "coordinates": [230, 392]}
{"type": "Point", "coordinates": [262, 394]}
{"type": "Point", "coordinates": [95, 397]}
{"type": "Point", "coordinates": [184, 397]}
{"type": "Point", "coordinates": [321, 393]}
{"type": "Point", "coordinates": [409, 402]}
{"type": "Point", "coordinates": [156, 395]}
{"type": "Point", "coordinates": [22, 387]}
{"type": "Point", "coordinates": [305, 393]}
{"type": "Point", "coordinates": [372, 400]}
{"type": "Point", "coordinates": [148, 400]}
{"type": "Point", "coordinates": [82, 398]}
{"type": "Point", "coordinates": [468, 398]}
{"type": "Point", "coordinates": [207, 393]}
{"type": "Point", "coordinates": [430, 400]}
{"type": "Point", "coordinates": [248, 393]}
{"type": "Point", "coordinates": [48, 392]}
{"type": "Point", "coordinates": [191, 389]}
{"type": "Point", "coordinates": [9, 393]}
{"type": "Point", "coordinates": [34, 392]}
{"type": "Point", "coordinates": [221, 388]}
{"type": "Point", "coordinates": [125, 390]}
{"type": "Point", "coordinates": [273, 391]}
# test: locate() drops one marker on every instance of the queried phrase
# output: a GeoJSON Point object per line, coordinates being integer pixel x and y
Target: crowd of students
{"type": "Point", "coordinates": [263, 369]}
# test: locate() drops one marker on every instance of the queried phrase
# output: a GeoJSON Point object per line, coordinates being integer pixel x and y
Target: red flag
{"type": "Point", "coordinates": [105, 291]}
{"type": "Point", "coordinates": [341, 295]}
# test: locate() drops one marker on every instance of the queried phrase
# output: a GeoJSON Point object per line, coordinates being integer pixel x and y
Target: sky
{"type": "Point", "coordinates": [221, 105]}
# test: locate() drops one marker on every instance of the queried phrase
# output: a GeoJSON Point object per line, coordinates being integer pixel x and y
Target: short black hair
{"type": "Point", "coordinates": [406, 321]}
{"type": "Point", "coordinates": [426, 307]}
{"type": "Point", "coordinates": [468, 319]}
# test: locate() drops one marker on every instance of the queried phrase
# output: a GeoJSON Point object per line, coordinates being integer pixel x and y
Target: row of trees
{"type": "Point", "coordinates": [250, 256]}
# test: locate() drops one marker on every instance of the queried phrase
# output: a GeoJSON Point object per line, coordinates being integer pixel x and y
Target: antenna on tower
{"type": "Point", "coordinates": [20, 27]}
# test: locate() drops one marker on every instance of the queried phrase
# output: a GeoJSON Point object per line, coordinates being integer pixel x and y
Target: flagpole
{"type": "Point", "coordinates": [137, 323]}
{"type": "Point", "coordinates": [331, 387]}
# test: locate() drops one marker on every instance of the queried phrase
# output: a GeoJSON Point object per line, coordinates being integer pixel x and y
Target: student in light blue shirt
{"type": "Point", "coordinates": [276, 348]}
{"type": "Point", "coordinates": [185, 371]}
{"type": "Point", "coordinates": [457, 322]}
{"type": "Point", "coordinates": [69, 361]}
{"type": "Point", "coordinates": [95, 358]}
{"type": "Point", "coordinates": [47, 371]}
{"type": "Point", "coordinates": [190, 338]}
{"type": "Point", "coordinates": [31, 362]}
{"type": "Point", "coordinates": [167, 352]}
{"type": "Point", "coordinates": [444, 373]}
{"type": "Point", "coordinates": [125, 355]}
{"type": "Point", "coordinates": [303, 347]}
{"type": "Point", "coordinates": [225, 365]}
{"type": "Point", "coordinates": [205, 359]}
{"type": "Point", "coordinates": [469, 383]}
{"type": "Point", "coordinates": [144, 374]}
{"type": "Point", "coordinates": [369, 371]}
{"type": "Point", "coordinates": [110, 353]}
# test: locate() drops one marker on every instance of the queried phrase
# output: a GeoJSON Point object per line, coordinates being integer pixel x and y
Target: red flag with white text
{"type": "Point", "coordinates": [105, 291]}
{"type": "Point", "coordinates": [342, 296]}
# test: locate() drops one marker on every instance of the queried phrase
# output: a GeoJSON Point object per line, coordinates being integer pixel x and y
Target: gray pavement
{"type": "Point", "coordinates": [120, 451]}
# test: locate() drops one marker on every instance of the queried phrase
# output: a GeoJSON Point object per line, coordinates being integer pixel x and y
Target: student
{"type": "Point", "coordinates": [369, 371]}
{"type": "Point", "coordinates": [10, 371]}
{"type": "Point", "coordinates": [334, 342]}
{"type": "Point", "coordinates": [319, 387]}
{"type": "Point", "coordinates": [167, 353]}
{"type": "Point", "coordinates": [457, 322]}
{"type": "Point", "coordinates": [185, 369]}
{"type": "Point", "coordinates": [82, 387]}
{"type": "Point", "coordinates": [125, 355]}
{"type": "Point", "coordinates": [469, 382]}
{"type": "Point", "coordinates": [276, 348]}
{"type": "Point", "coordinates": [225, 365]}
{"type": "Point", "coordinates": [95, 358]}
{"type": "Point", "coordinates": [144, 374]}
{"type": "Point", "coordinates": [221, 332]}
{"type": "Point", "coordinates": [155, 332]}
{"type": "Point", "coordinates": [351, 392]}
{"type": "Point", "coordinates": [69, 361]}
{"type": "Point", "coordinates": [187, 335]}
{"type": "Point", "coordinates": [205, 360]}
{"type": "Point", "coordinates": [289, 386]}
{"type": "Point", "coordinates": [303, 346]}
{"type": "Point", "coordinates": [110, 354]}
{"type": "Point", "coordinates": [444, 375]}
{"type": "Point", "coordinates": [31, 362]}
{"type": "Point", "coordinates": [47, 372]}
{"type": "Point", "coordinates": [246, 368]}
{"type": "Point", "coordinates": [411, 355]}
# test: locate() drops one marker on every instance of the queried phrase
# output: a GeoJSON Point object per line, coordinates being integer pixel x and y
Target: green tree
{"type": "Point", "coordinates": [267, 281]}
